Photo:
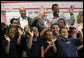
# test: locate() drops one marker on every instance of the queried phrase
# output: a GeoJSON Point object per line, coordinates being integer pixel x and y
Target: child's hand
{"type": "Point", "coordinates": [50, 44]}
{"type": "Point", "coordinates": [20, 32]}
{"type": "Point", "coordinates": [7, 38]}
{"type": "Point", "coordinates": [79, 28]}
{"type": "Point", "coordinates": [31, 33]}
{"type": "Point", "coordinates": [67, 25]}
{"type": "Point", "coordinates": [48, 24]}
{"type": "Point", "coordinates": [54, 38]}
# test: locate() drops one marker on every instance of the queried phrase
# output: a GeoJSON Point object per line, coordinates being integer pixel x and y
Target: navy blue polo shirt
{"type": "Point", "coordinates": [23, 42]}
{"type": "Point", "coordinates": [22, 47]}
{"type": "Point", "coordinates": [2, 50]}
{"type": "Point", "coordinates": [67, 48]}
{"type": "Point", "coordinates": [58, 37]}
{"type": "Point", "coordinates": [13, 47]}
{"type": "Point", "coordinates": [35, 50]}
{"type": "Point", "coordinates": [80, 52]}
{"type": "Point", "coordinates": [50, 52]}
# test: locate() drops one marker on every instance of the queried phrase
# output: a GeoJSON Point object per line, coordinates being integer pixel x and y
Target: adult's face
{"type": "Point", "coordinates": [44, 15]}
{"type": "Point", "coordinates": [23, 12]}
{"type": "Point", "coordinates": [55, 10]}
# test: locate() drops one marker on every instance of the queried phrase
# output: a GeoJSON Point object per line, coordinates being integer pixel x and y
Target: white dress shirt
{"type": "Point", "coordinates": [23, 22]}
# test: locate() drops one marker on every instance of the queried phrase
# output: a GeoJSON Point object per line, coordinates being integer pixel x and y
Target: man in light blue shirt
{"type": "Point", "coordinates": [57, 15]}
{"type": "Point", "coordinates": [43, 21]}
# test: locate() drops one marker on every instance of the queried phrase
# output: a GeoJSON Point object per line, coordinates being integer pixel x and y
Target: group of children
{"type": "Point", "coordinates": [57, 40]}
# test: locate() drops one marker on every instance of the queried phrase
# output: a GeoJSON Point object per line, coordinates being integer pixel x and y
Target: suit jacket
{"type": "Point", "coordinates": [31, 21]}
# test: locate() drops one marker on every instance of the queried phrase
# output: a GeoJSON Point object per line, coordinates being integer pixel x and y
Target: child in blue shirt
{"type": "Point", "coordinates": [34, 44]}
{"type": "Point", "coordinates": [67, 47]}
{"type": "Point", "coordinates": [49, 44]}
{"type": "Point", "coordinates": [9, 43]}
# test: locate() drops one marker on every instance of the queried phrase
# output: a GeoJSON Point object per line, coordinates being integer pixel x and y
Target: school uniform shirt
{"type": "Point", "coordinates": [58, 37]}
{"type": "Point", "coordinates": [67, 48]}
{"type": "Point", "coordinates": [50, 52]}
{"type": "Point", "coordinates": [23, 46]}
{"type": "Point", "coordinates": [23, 42]}
{"type": "Point", "coordinates": [80, 52]}
{"type": "Point", "coordinates": [2, 51]}
{"type": "Point", "coordinates": [13, 47]}
{"type": "Point", "coordinates": [35, 50]}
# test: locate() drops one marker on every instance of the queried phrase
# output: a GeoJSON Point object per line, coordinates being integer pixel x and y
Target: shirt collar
{"type": "Point", "coordinates": [22, 18]}
{"type": "Point", "coordinates": [61, 38]}
{"type": "Point", "coordinates": [43, 19]}
{"type": "Point", "coordinates": [58, 17]}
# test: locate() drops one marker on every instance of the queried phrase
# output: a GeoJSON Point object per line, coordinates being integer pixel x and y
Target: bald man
{"type": "Point", "coordinates": [24, 20]}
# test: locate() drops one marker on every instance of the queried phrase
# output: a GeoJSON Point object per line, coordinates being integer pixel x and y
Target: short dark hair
{"type": "Point", "coordinates": [71, 29]}
{"type": "Point", "coordinates": [62, 28]}
{"type": "Point", "coordinates": [3, 29]}
{"type": "Point", "coordinates": [47, 31]}
{"type": "Point", "coordinates": [11, 21]}
{"type": "Point", "coordinates": [54, 5]}
{"type": "Point", "coordinates": [10, 28]}
{"type": "Point", "coordinates": [63, 20]}
{"type": "Point", "coordinates": [53, 24]}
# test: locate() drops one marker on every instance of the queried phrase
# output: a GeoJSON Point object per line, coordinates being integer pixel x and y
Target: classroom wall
{"type": "Point", "coordinates": [10, 9]}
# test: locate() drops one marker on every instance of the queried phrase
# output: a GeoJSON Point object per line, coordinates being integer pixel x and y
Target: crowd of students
{"type": "Point", "coordinates": [42, 37]}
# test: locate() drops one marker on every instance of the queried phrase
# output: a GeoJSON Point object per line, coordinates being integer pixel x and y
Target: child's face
{"type": "Point", "coordinates": [12, 32]}
{"type": "Point", "coordinates": [74, 31]}
{"type": "Point", "coordinates": [49, 35]}
{"type": "Point", "coordinates": [64, 33]}
{"type": "Point", "coordinates": [15, 23]}
{"type": "Point", "coordinates": [55, 29]}
{"type": "Point", "coordinates": [35, 30]}
{"type": "Point", "coordinates": [61, 23]}
{"type": "Point", "coordinates": [27, 29]}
